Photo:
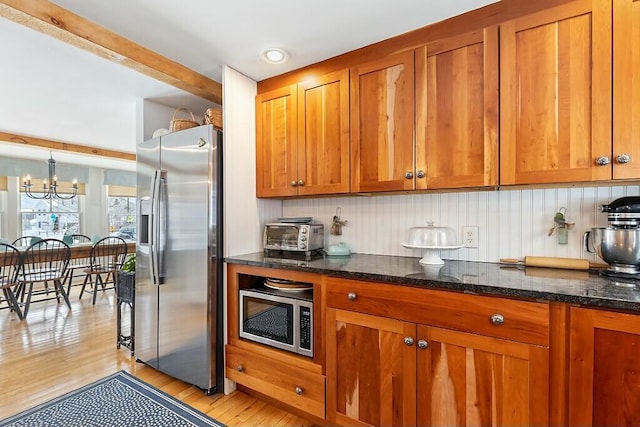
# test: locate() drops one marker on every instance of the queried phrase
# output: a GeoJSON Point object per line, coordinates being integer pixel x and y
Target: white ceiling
{"type": "Point", "coordinates": [55, 91]}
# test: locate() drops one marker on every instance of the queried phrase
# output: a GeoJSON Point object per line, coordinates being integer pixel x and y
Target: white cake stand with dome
{"type": "Point", "coordinates": [432, 240]}
{"type": "Point", "coordinates": [431, 254]}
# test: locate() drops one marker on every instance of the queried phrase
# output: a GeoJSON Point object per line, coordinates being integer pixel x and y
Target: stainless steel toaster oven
{"type": "Point", "coordinates": [283, 236]}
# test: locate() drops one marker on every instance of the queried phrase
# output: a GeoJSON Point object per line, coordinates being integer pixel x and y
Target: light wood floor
{"type": "Point", "coordinates": [55, 351]}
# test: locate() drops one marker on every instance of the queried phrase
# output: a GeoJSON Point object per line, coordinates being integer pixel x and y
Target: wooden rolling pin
{"type": "Point", "coordinates": [554, 262]}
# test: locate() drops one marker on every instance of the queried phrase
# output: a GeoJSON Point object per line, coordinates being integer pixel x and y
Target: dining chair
{"type": "Point", "coordinates": [106, 257]}
{"type": "Point", "coordinates": [44, 262]}
{"type": "Point", "coordinates": [76, 264]}
{"type": "Point", "coordinates": [25, 241]}
{"type": "Point", "coordinates": [9, 268]}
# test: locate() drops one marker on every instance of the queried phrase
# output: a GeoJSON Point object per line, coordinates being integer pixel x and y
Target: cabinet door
{"type": "Point", "coordinates": [468, 379]}
{"type": "Point", "coordinates": [323, 135]}
{"type": "Point", "coordinates": [626, 89]}
{"type": "Point", "coordinates": [555, 94]}
{"type": "Point", "coordinates": [382, 111]}
{"type": "Point", "coordinates": [604, 368]}
{"type": "Point", "coordinates": [276, 144]}
{"type": "Point", "coordinates": [457, 111]}
{"type": "Point", "coordinates": [370, 370]}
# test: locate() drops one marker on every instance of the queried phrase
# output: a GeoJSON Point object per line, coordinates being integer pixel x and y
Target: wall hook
{"type": "Point", "coordinates": [336, 226]}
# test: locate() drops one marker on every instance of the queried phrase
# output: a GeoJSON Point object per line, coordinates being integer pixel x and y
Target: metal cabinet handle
{"type": "Point", "coordinates": [497, 319]}
{"type": "Point", "coordinates": [240, 368]}
{"type": "Point", "coordinates": [299, 391]}
{"type": "Point", "coordinates": [420, 174]}
{"type": "Point", "coordinates": [408, 341]}
{"type": "Point", "coordinates": [293, 183]}
{"type": "Point", "coordinates": [603, 161]}
{"type": "Point", "coordinates": [352, 296]}
{"type": "Point", "coordinates": [408, 174]}
{"type": "Point", "coordinates": [623, 158]}
{"type": "Point", "coordinates": [300, 183]}
{"type": "Point", "coordinates": [423, 344]}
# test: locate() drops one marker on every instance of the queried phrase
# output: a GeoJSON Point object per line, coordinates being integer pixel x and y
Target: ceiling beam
{"type": "Point", "coordinates": [63, 146]}
{"type": "Point", "coordinates": [55, 21]}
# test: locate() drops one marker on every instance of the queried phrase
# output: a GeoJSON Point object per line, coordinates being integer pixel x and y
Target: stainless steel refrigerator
{"type": "Point", "coordinates": [178, 312]}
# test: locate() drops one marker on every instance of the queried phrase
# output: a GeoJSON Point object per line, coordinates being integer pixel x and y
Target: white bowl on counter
{"type": "Point", "coordinates": [431, 240]}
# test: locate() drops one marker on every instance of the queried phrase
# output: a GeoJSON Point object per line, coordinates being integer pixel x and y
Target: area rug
{"type": "Point", "coordinates": [117, 400]}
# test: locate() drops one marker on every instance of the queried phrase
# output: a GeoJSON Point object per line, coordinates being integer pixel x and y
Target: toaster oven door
{"type": "Point", "coordinates": [283, 237]}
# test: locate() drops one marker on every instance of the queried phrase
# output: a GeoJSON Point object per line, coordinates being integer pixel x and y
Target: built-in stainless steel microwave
{"type": "Point", "coordinates": [278, 319]}
{"type": "Point", "coordinates": [284, 236]}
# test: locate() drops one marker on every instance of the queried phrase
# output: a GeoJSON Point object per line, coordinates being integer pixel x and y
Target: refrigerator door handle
{"type": "Point", "coordinates": [161, 226]}
{"type": "Point", "coordinates": [154, 217]}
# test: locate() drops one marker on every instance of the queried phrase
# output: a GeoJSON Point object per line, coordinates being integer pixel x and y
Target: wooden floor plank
{"type": "Point", "coordinates": [57, 350]}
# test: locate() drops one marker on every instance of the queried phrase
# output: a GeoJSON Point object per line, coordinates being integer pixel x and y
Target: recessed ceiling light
{"type": "Point", "coordinates": [274, 55]}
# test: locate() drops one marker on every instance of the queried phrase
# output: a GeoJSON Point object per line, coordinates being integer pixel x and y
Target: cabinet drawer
{"type": "Point", "coordinates": [289, 384]}
{"type": "Point", "coordinates": [522, 321]}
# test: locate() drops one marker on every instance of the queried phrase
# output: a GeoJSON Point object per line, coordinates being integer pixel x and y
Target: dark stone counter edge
{"type": "Point", "coordinates": [587, 301]}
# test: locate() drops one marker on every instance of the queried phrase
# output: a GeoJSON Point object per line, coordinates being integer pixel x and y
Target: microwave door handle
{"type": "Point", "coordinates": [296, 325]}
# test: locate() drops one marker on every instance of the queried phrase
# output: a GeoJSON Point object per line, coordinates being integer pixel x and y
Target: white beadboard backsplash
{"type": "Point", "coordinates": [511, 223]}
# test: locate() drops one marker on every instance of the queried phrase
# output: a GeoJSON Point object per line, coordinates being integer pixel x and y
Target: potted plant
{"type": "Point", "coordinates": [126, 280]}
{"type": "Point", "coordinates": [126, 294]}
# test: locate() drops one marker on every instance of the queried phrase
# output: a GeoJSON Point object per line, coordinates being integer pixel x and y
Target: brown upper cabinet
{"type": "Point", "coordinates": [457, 111]}
{"type": "Point", "coordinates": [382, 111]}
{"type": "Point", "coordinates": [626, 89]}
{"type": "Point", "coordinates": [302, 138]}
{"type": "Point", "coordinates": [540, 96]}
{"type": "Point", "coordinates": [555, 95]}
{"type": "Point", "coordinates": [276, 143]}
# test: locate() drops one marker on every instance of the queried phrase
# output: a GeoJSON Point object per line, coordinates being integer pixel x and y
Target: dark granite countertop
{"type": "Point", "coordinates": [574, 287]}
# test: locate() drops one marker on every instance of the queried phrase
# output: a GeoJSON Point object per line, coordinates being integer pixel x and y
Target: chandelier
{"type": "Point", "coordinates": [50, 185]}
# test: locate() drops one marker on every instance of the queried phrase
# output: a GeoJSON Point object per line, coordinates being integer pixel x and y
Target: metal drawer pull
{"type": "Point", "coordinates": [240, 368]}
{"type": "Point", "coordinates": [603, 161]}
{"type": "Point", "coordinates": [352, 296]}
{"type": "Point", "coordinates": [623, 158]}
{"type": "Point", "coordinates": [497, 319]}
{"type": "Point", "coordinates": [423, 344]}
{"type": "Point", "coordinates": [408, 341]}
{"type": "Point", "coordinates": [299, 391]}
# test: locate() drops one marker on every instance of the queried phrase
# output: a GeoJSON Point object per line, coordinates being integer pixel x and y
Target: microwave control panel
{"type": "Point", "coordinates": [305, 328]}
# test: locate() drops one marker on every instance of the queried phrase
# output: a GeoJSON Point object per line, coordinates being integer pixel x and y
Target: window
{"type": "Point", "coordinates": [49, 218]}
{"type": "Point", "coordinates": [121, 211]}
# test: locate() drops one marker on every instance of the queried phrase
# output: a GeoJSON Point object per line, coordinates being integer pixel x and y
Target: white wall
{"type": "Point", "coordinates": [512, 223]}
{"type": "Point", "coordinates": [151, 116]}
{"type": "Point", "coordinates": [93, 220]}
{"type": "Point", "coordinates": [245, 215]}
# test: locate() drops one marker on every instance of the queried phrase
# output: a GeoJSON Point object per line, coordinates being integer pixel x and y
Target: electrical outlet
{"type": "Point", "coordinates": [470, 236]}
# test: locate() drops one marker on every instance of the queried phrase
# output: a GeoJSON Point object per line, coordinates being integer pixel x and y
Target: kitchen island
{"type": "Point", "coordinates": [404, 344]}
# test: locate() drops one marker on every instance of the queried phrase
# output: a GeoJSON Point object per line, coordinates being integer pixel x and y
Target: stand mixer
{"type": "Point", "coordinates": [618, 244]}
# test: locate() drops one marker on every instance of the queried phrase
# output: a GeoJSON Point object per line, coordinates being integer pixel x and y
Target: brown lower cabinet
{"type": "Point", "coordinates": [604, 368]}
{"type": "Point", "coordinates": [387, 372]}
{"type": "Point", "coordinates": [394, 355]}
{"type": "Point", "coordinates": [280, 380]}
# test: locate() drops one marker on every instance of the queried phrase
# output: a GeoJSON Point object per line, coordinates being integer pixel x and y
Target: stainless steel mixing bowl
{"type": "Point", "coordinates": [618, 247]}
